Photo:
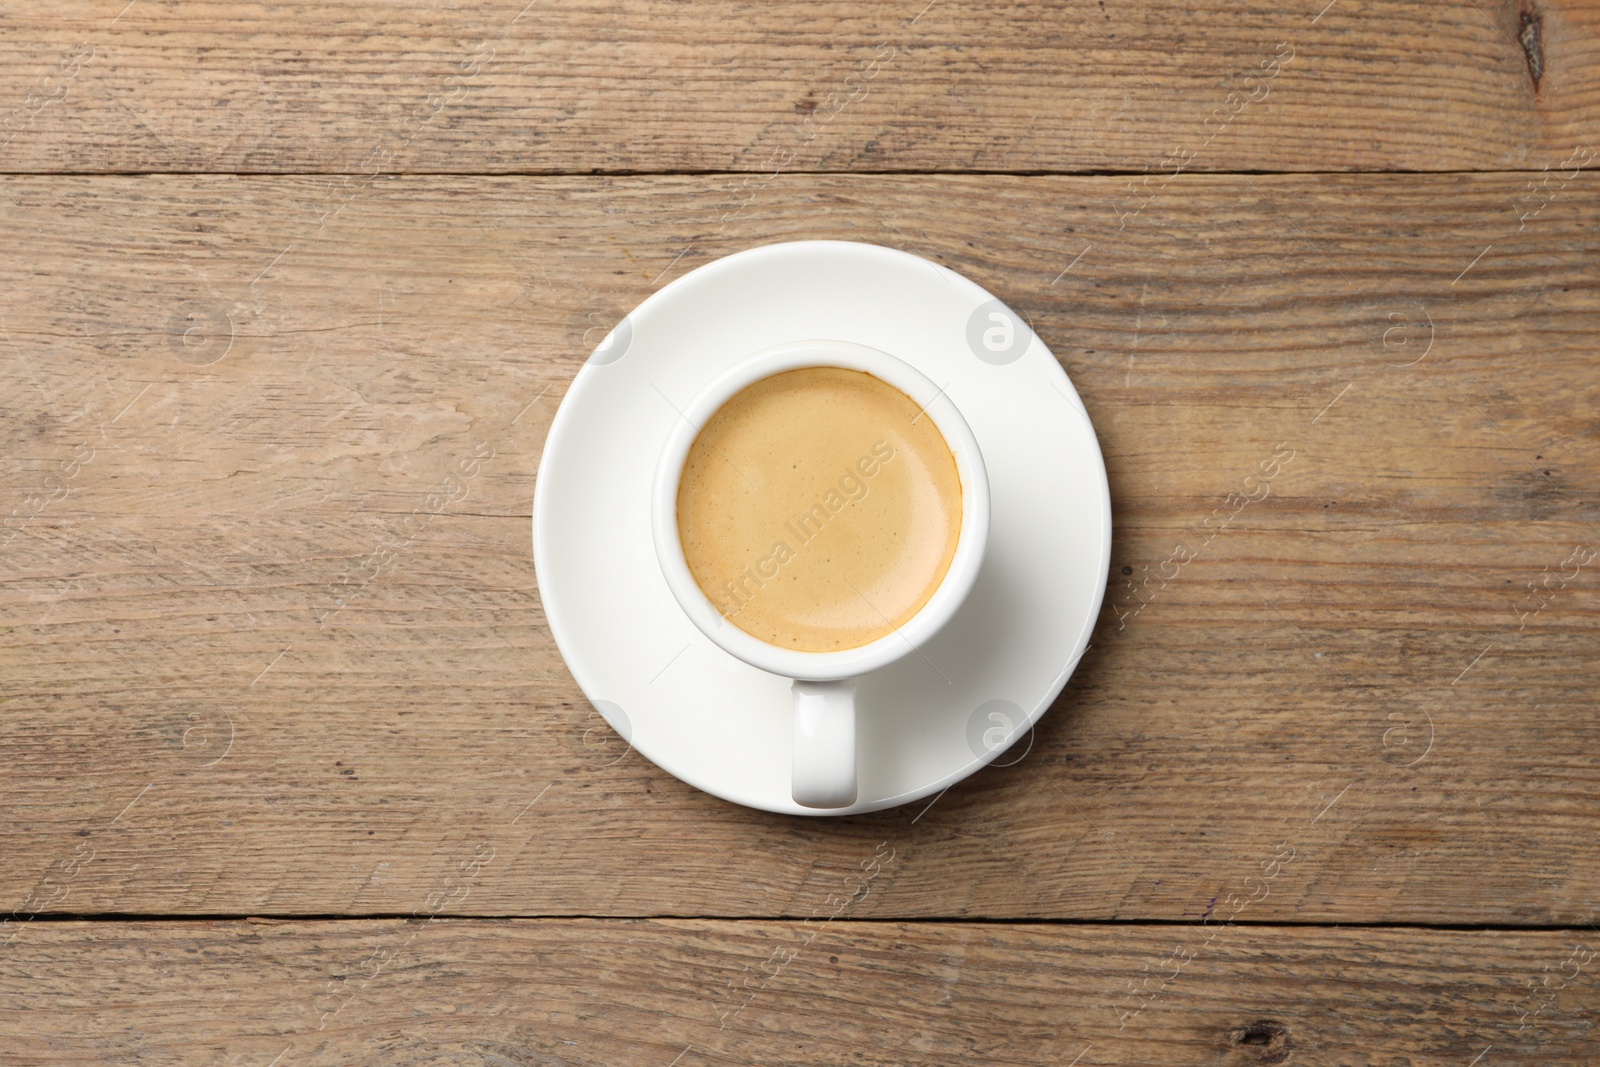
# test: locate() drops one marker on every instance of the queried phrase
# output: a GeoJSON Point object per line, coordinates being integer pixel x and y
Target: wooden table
{"type": "Point", "coordinates": [294, 774]}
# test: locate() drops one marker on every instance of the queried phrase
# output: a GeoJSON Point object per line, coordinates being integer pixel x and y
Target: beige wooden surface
{"type": "Point", "coordinates": [580, 85]}
{"type": "Point", "coordinates": [180, 590]}
{"type": "Point", "coordinates": [696, 992]}
{"type": "Point", "coordinates": [278, 354]}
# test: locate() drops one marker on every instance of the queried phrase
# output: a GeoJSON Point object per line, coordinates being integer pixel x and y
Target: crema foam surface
{"type": "Point", "coordinates": [819, 509]}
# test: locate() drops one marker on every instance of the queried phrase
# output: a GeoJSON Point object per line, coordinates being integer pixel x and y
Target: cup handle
{"type": "Point", "coordinates": [825, 744]}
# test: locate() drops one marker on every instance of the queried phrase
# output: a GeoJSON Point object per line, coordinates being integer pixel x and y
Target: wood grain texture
{"type": "Point", "coordinates": [660, 85]}
{"type": "Point", "coordinates": [700, 992]}
{"type": "Point", "coordinates": [191, 724]}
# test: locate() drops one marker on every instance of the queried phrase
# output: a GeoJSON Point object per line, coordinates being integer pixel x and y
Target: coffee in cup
{"type": "Point", "coordinates": [819, 509]}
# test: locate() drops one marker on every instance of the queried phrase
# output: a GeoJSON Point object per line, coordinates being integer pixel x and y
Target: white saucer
{"type": "Point", "coordinates": [926, 721]}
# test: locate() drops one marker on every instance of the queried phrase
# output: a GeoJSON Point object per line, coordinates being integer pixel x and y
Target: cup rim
{"type": "Point", "coordinates": [972, 537]}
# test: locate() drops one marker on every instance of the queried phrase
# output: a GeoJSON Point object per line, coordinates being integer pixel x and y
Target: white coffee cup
{"type": "Point", "coordinates": [824, 683]}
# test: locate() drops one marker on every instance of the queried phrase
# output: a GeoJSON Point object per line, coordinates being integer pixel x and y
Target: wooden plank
{"type": "Point", "coordinates": [657, 85]}
{"type": "Point", "coordinates": [1340, 670]}
{"type": "Point", "coordinates": [693, 992]}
